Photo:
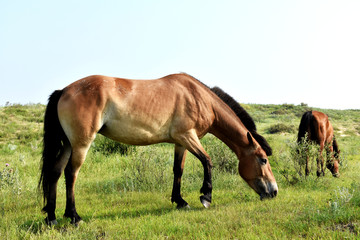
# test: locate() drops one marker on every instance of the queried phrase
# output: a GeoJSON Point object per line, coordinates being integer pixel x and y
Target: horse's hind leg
{"type": "Point", "coordinates": [55, 175]}
{"type": "Point", "coordinates": [179, 161]}
{"type": "Point", "coordinates": [71, 172]}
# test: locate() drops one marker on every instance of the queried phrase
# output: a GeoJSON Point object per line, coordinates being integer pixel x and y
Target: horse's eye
{"type": "Point", "coordinates": [263, 161]}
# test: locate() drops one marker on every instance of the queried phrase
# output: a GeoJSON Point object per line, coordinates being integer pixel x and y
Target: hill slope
{"type": "Point", "coordinates": [128, 196]}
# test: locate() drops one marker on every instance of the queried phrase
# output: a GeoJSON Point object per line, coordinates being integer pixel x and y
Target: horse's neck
{"type": "Point", "coordinates": [229, 129]}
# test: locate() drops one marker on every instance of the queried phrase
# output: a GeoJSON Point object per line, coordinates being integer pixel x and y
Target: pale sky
{"type": "Point", "coordinates": [268, 52]}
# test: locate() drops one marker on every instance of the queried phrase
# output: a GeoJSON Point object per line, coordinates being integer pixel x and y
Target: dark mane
{"type": "Point", "coordinates": [244, 117]}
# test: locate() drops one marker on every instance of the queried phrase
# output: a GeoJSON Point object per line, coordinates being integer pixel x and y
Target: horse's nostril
{"type": "Point", "coordinates": [275, 193]}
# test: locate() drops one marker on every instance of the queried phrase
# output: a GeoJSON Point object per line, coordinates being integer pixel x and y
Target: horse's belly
{"type": "Point", "coordinates": [135, 132]}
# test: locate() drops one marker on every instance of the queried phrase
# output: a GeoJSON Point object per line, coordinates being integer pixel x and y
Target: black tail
{"type": "Point", "coordinates": [52, 142]}
{"type": "Point", "coordinates": [305, 122]}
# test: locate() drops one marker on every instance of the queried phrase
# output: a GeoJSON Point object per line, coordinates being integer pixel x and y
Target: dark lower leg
{"type": "Point", "coordinates": [307, 171]}
{"type": "Point", "coordinates": [50, 205]}
{"type": "Point", "coordinates": [176, 196]}
{"type": "Point", "coordinates": [320, 163]}
{"type": "Point", "coordinates": [52, 179]}
{"type": "Point", "coordinates": [206, 189]}
{"type": "Point", "coordinates": [51, 198]}
{"type": "Point", "coordinates": [192, 143]}
{"type": "Point", "coordinates": [318, 171]}
{"type": "Point", "coordinates": [179, 160]}
{"type": "Point", "coordinates": [70, 210]}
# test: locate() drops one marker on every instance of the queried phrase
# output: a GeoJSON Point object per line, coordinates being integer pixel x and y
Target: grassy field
{"type": "Point", "coordinates": [127, 196]}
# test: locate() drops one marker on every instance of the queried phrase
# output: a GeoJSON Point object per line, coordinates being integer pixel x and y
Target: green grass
{"type": "Point", "coordinates": [126, 194]}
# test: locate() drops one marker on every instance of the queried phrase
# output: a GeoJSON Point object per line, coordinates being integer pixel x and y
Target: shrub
{"type": "Point", "coordinates": [107, 146]}
{"type": "Point", "coordinates": [294, 163]}
{"type": "Point", "coordinates": [281, 128]}
{"type": "Point", "coordinates": [279, 112]}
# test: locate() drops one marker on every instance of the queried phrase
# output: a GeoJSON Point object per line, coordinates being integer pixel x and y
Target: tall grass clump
{"type": "Point", "coordinates": [9, 179]}
{"type": "Point", "coordinates": [144, 168]}
{"type": "Point", "coordinates": [149, 169]}
{"type": "Point", "coordinates": [339, 210]}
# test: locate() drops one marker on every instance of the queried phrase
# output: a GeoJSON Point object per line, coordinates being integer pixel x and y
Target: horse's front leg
{"type": "Point", "coordinates": [206, 189]}
{"type": "Point", "coordinates": [320, 162]}
{"type": "Point", "coordinates": [191, 142]}
{"type": "Point", "coordinates": [179, 162]}
{"type": "Point", "coordinates": [331, 161]}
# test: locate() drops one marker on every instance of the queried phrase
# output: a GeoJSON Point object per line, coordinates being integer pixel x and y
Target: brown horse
{"type": "Point", "coordinates": [176, 109]}
{"type": "Point", "coordinates": [319, 130]}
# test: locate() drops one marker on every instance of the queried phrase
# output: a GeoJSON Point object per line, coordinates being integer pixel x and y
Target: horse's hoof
{"type": "Point", "coordinates": [51, 223]}
{"type": "Point", "coordinates": [205, 202]}
{"type": "Point", "coordinates": [186, 207]}
{"type": "Point", "coordinates": [183, 206]}
{"type": "Point", "coordinates": [76, 224]}
{"type": "Point", "coordinates": [76, 221]}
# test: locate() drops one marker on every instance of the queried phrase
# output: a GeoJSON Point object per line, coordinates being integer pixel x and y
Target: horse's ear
{"type": "Point", "coordinates": [250, 138]}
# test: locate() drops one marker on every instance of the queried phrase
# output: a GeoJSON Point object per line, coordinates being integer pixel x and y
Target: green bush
{"type": "Point", "coordinates": [294, 161]}
{"type": "Point", "coordinates": [281, 128]}
{"type": "Point", "coordinates": [107, 146]}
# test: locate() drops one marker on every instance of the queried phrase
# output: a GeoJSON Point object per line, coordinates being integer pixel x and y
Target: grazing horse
{"type": "Point", "coordinates": [320, 131]}
{"type": "Point", "coordinates": [176, 109]}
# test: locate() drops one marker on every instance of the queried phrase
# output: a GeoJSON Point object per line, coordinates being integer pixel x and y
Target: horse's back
{"type": "Point", "coordinates": [133, 111]}
{"type": "Point", "coordinates": [319, 128]}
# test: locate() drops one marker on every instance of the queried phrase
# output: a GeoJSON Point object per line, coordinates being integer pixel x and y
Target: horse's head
{"type": "Point", "coordinates": [333, 165]}
{"type": "Point", "coordinates": [254, 168]}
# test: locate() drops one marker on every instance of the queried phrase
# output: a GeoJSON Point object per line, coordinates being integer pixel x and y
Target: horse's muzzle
{"type": "Point", "coordinates": [336, 175]}
{"type": "Point", "coordinates": [269, 190]}
{"type": "Point", "coordinates": [268, 195]}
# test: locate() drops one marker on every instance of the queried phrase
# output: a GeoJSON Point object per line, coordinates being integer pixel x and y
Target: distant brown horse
{"type": "Point", "coordinates": [319, 130]}
{"type": "Point", "coordinates": [176, 109]}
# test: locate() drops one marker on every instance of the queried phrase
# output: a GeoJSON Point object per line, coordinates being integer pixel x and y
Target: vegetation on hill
{"type": "Point", "coordinates": [124, 192]}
